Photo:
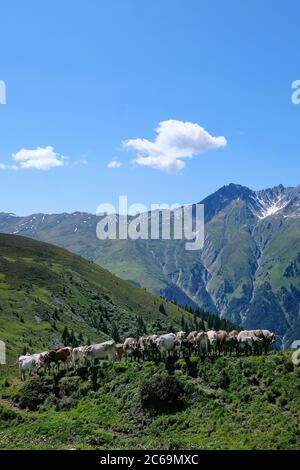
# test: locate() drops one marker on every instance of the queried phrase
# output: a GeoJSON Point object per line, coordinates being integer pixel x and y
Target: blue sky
{"type": "Point", "coordinates": [84, 76]}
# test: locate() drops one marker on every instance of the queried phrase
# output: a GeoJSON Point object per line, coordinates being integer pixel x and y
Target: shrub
{"type": "Point", "coordinates": [282, 400]}
{"type": "Point", "coordinates": [246, 397]}
{"type": "Point", "coordinates": [68, 386]}
{"type": "Point", "coordinates": [289, 366]}
{"type": "Point", "coordinates": [99, 439]}
{"type": "Point", "coordinates": [254, 380]}
{"type": "Point", "coordinates": [271, 394]}
{"type": "Point", "coordinates": [34, 393]}
{"type": "Point", "coordinates": [6, 414]}
{"type": "Point", "coordinates": [65, 403]}
{"type": "Point", "coordinates": [161, 394]}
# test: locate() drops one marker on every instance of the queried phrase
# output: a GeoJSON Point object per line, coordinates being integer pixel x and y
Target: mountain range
{"type": "Point", "coordinates": [248, 270]}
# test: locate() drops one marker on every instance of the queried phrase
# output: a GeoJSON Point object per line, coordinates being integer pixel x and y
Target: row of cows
{"type": "Point", "coordinates": [154, 347]}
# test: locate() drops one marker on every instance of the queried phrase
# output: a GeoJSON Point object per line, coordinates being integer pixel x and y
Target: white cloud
{"type": "Point", "coordinates": [114, 163]}
{"type": "Point", "coordinates": [175, 140]}
{"type": "Point", "coordinates": [41, 158]}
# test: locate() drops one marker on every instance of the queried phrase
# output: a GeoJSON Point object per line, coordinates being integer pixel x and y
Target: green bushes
{"type": "Point", "coordinates": [272, 394]}
{"type": "Point", "coordinates": [99, 439]}
{"type": "Point", "coordinates": [282, 401]}
{"type": "Point", "coordinates": [217, 403]}
{"type": "Point", "coordinates": [7, 414]}
{"type": "Point", "coordinates": [59, 391]}
{"type": "Point", "coordinates": [34, 393]}
{"type": "Point", "coordinates": [67, 386]}
{"type": "Point", "coordinates": [162, 394]}
{"type": "Point", "coordinates": [65, 403]}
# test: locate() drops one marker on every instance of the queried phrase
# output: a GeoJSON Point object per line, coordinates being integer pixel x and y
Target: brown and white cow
{"type": "Point", "coordinates": [119, 351]}
{"type": "Point", "coordinates": [192, 341]}
{"type": "Point", "coordinates": [181, 342]}
{"type": "Point", "coordinates": [231, 343]}
{"type": "Point", "coordinates": [202, 343]}
{"type": "Point", "coordinates": [143, 347]}
{"type": "Point", "coordinates": [221, 340]}
{"type": "Point", "coordinates": [267, 337]}
{"type": "Point", "coordinates": [56, 356]}
{"type": "Point", "coordinates": [130, 348]}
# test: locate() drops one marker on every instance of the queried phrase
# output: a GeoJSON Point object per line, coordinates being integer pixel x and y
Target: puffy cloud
{"type": "Point", "coordinates": [174, 141]}
{"type": "Point", "coordinates": [41, 158]}
{"type": "Point", "coordinates": [114, 163]}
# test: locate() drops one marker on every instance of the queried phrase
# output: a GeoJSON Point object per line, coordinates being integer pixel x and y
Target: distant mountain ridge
{"type": "Point", "coordinates": [248, 270]}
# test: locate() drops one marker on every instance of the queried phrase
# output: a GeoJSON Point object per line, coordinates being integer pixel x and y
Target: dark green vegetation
{"type": "Point", "coordinates": [218, 403]}
{"type": "Point", "coordinates": [49, 296]}
{"type": "Point", "coordinates": [248, 270]}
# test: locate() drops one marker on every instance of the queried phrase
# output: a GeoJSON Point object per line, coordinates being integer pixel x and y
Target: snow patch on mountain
{"type": "Point", "coordinates": [273, 201]}
{"type": "Point", "coordinates": [269, 208]}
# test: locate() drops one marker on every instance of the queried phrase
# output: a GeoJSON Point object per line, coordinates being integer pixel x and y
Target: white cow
{"type": "Point", "coordinates": [29, 363]}
{"type": "Point", "coordinates": [166, 344]}
{"type": "Point", "coordinates": [77, 355]}
{"type": "Point", "coordinates": [248, 341]}
{"type": "Point", "coordinates": [106, 350]}
{"type": "Point", "coordinates": [213, 341]}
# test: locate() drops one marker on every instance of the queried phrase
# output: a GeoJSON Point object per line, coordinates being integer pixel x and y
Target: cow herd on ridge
{"type": "Point", "coordinates": [153, 347]}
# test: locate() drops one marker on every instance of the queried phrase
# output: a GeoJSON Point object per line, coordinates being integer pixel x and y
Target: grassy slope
{"type": "Point", "coordinates": [43, 288]}
{"type": "Point", "coordinates": [231, 403]}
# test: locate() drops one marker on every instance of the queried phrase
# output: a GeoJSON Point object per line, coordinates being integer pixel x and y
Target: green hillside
{"type": "Point", "coordinates": [217, 403]}
{"type": "Point", "coordinates": [44, 289]}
